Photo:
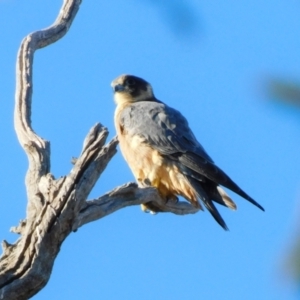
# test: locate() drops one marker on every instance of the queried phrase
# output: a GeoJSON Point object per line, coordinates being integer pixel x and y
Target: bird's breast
{"type": "Point", "coordinates": [149, 165]}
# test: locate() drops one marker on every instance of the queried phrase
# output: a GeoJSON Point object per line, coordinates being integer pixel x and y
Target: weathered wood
{"type": "Point", "coordinates": [56, 207]}
{"type": "Point", "coordinates": [127, 195]}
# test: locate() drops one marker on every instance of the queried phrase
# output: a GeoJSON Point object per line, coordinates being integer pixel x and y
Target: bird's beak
{"type": "Point", "coordinates": [119, 88]}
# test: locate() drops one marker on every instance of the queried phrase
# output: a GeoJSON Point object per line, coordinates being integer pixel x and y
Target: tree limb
{"type": "Point", "coordinates": [127, 195]}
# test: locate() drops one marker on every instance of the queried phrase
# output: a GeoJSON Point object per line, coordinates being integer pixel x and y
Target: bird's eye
{"type": "Point", "coordinates": [130, 82]}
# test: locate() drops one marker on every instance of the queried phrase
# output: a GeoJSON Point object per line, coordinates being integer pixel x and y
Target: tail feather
{"type": "Point", "coordinates": [207, 202]}
{"type": "Point", "coordinates": [225, 198]}
{"type": "Point", "coordinates": [211, 171]}
{"type": "Point", "coordinates": [214, 192]}
{"type": "Point", "coordinates": [217, 194]}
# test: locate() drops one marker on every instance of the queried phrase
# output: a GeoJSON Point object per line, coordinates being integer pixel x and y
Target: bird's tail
{"type": "Point", "coordinates": [210, 192]}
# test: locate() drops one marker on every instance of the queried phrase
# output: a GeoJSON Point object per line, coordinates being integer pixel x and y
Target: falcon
{"type": "Point", "coordinates": [162, 151]}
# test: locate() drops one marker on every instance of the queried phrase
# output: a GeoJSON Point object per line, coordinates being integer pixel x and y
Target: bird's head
{"type": "Point", "coordinates": [129, 88]}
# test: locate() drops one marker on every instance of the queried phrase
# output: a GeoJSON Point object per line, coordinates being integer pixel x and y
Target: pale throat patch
{"type": "Point", "coordinates": [122, 98]}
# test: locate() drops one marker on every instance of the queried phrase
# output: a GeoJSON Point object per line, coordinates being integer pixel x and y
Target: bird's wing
{"type": "Point", "coordinates": [162, 127]}
{"type": "Point", "coordinates": [166, 130]}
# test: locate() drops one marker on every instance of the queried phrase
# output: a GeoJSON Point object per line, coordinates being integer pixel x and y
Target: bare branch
{"type": "Point", "coordinates": [20, 265]}
{"type": "Point", "coordinates": [36, 148]}
{"type": "Point", "coordinates": [128, 195]}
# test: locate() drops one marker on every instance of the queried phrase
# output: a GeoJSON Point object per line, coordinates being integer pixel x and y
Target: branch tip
{"type": "Point", "coordinates": [6, 247]}
{"type": "Point", "coordinates": [18, 229]}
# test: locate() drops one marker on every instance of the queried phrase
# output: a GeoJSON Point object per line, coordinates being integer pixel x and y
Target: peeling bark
{"type": "Point", "coordinates": [56, 207]}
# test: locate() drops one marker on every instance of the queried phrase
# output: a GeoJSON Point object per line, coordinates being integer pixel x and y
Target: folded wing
{"type": "Point", "coordinates": [167, 131]}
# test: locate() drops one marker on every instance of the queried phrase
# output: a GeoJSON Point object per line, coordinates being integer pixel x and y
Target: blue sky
{"type": "Point", "coordinates": [213, 71]}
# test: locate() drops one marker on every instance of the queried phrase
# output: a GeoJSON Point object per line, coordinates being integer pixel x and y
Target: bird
{"type": "Point", "coordinates": [163, 152]}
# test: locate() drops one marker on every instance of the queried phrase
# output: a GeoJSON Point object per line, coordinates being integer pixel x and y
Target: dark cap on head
{"type": "Point", "coordinates": [136, 87]}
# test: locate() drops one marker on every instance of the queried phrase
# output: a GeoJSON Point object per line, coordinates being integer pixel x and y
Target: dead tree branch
{"type": "Point", "coordinates": [56, 207]}
{"type": "Point", "coordinates": [127, 195]}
